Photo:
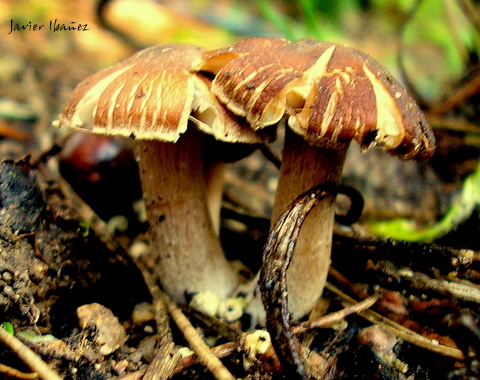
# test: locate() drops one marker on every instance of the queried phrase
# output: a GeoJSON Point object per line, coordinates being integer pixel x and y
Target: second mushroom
{"type": "Point", "coordinates": [331, 95]}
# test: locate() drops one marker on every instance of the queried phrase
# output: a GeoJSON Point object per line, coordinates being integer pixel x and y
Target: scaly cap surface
{"type": "Point", "coordinates": [330, 94]}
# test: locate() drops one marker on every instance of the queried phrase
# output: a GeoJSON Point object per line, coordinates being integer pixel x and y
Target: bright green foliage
{"type": "Point", "coordinates": [461, 209]}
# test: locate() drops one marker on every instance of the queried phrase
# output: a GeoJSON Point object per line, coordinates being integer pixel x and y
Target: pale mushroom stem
{"type": "Point", "coordinates": [186, 253]}
{"type": "Point", "coordinates": [304, 166]}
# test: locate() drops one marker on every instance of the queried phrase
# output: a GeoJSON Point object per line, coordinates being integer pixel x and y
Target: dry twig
{"type": "Point", "coordinates": [166, 359]}
{"type": "Point", "coordinates": [336, 316]}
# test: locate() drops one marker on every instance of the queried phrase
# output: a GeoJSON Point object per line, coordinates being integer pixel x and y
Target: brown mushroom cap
{"type": "Point", "coordinates": [331, 94]}
{"type": "Point", "coordinates": [152, 95]}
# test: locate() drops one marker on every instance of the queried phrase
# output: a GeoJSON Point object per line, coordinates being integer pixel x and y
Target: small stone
{"type": "Point", "coordinates": [148, 329]}
{"type": "Point", "coordinates": [39, 270]}
{"type": "Point", "coordinates": [135, 357]}
{"type": "Point", "coordinates": [110, 334]}
{"type": "Point", "coordinates": [147, 348]}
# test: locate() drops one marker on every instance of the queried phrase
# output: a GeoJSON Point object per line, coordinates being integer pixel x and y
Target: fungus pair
{"type": "Point", "coordinates": [329, 94]}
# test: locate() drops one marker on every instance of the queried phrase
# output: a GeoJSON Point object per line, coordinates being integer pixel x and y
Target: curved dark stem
{"type": "Point", "coordinates": [273, 283]}
{"type": "Point", "coordinates": [356, 206]}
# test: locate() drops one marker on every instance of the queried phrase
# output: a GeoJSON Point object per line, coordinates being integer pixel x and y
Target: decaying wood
{"type": "Point", "coordinates": [167, 356]}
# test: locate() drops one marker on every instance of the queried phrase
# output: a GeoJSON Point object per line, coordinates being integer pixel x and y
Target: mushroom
{"type": "Point", "coordinates": [153, 98]}
{"type": "Point", "coordinates": [331, 95]}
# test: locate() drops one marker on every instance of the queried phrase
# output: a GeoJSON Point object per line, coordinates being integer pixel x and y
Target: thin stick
{"type": "Point", "coordinates": [29, 357]}
{"type": "Point", "coordinates": [198, 345]}
{"type": "Point", "coordinates": [87, 215]}
{"type": "Point", "coordinates": [336, 316]}
{"type": "Point", "coordinates": [221, 351]}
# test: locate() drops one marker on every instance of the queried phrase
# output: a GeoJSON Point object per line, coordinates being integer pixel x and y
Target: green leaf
{"type": "Point", "coordinates": [460, 210]}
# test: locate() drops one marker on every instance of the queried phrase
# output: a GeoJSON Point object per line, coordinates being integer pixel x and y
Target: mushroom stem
{"type": "Point", "coordinates": [186, 253]}
{"type": "Point", "coordinates": [304, 166]}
